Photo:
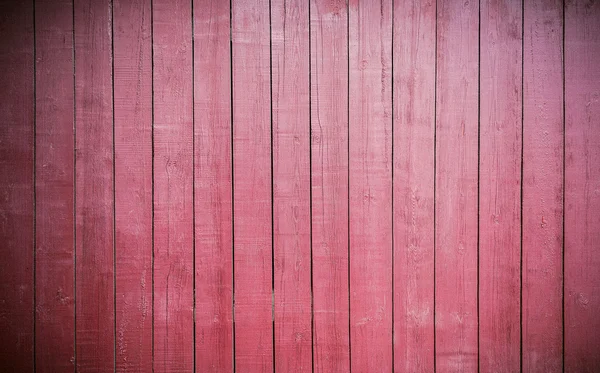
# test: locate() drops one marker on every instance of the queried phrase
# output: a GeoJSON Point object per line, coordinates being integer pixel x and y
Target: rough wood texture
{"type": "Point", "coordinates": [370, 164]}
{"type": "Point", "coordinates": [252, 188]}
{"type": "Point", "coordinates": [94, 232]}
{"type": "Point", "coordinates": [55, 189]}
{"type": "Point", "coordinates": [291, 185]}
{"type": "Point", "coordinates": [451, 222]}
{"type": "Point", "coordinates": [414, 126]}
{"type": "Point", "coordinates": [500, 186]}
{"type": "Point", "coordinates": [456, 186]}
{"type": "Point", "coordinates": [542, 186]}
{"type": "Point", "coordinates": [133, 183]}
{"type": "Point", "coordinates": [16, 185]}
{"type": "Point", "coordinates": [329, 183]}
{"type": "Point", "coordinates": [212, 187]}
{"type": "Point", "coordinates": [173, 187]}
{"type": "Point", "coordinates": [582, 187]}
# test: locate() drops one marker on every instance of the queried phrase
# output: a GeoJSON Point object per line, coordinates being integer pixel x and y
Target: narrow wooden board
{"type": "Point", "coordinates": [582, 187]}
{"type": "Point", "coordinates": [456, 186]}
{"type": "Point", "coordinates": [55, 187]}
{"type": "Point", "coordinates": [291, 185]}
{"type": "Point", "coordinates": [94, 203]}
{"type": "Point", "coordinates": [500, 186]}
{"type": "Point", "coordinates": [329, 183]}
{"type": "Point", "coordinates": [212, 187]}
{"type": "Point", "coordinates": [133, 183]}
{"type": "Point", "coordinates": [414, 173]}
{"type": "Point", "coordinates": [16, 185]}
{"type": "Point", "coordinates": [370, 164]}
{"type": "Point", "coordinates": [542, 186]}
{"type": "Point", "coordinates": [252, 188]}
{"type": "Point", "coordinates": [173, 186]}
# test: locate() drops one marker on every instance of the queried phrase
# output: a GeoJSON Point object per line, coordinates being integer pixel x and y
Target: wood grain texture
{"type": "Point", "coordinates": [370, 164]}
{"type": "Point", "coordinates": [542, 186]}
{"type": "Point", "coordinates": [456, 186]}
{"type": "Point", "coordinates": [582, 187]}
{"type": "Point", "coordinates": [252, 188]}
{"type": "Point", "coordinates": [291, 185]}
{"type": "Point", "coordinates": [94, 218]}
{"type": "Point", "coordinates": [173, 187]}
{"type": "Point", "coordinates": [450, 148]}
{"type": "Point", "coordinates": [329, 183]}
{"type": "Point", "coordinates": [55, 188]}
{"type": "Point", "coordinates": [16, 185]}
{"type": "Point", "coordinates": [414, 141]}
{"type": "Point", "coordinates": [133, 183]}
{"type": "Point", "coordinates": [500, 186]}
{"type": "Point", "coordinates": [212, 187]}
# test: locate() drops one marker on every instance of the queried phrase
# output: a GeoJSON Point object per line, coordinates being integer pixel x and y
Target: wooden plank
{"type": "Point", "coordinates": [212, 187]}
{"type": "Point", "coordinates": [173, 186]}
{"type": "Point", "coordinates": [500, 186]}
{"type": "Point", "coordinates": [133, 183]}
{"type": "Point", "coordinates": [55, 187]}
{"type": "Point", "coordinates": [16, 185]}
{"type": "Point", "coordinates": [414, 142]}
{"type": "Point", "coordinates": [252, 186]}
{"type": "Point", "coordinates": [329, 183]}
{"type": "Point", "coordinates": [370, 169]}
{"type": "Point", "coordinates": [456, 186]}
{"type": "Point", "coordinates": [542, 186]}
{"type": "Point", "coordinates": [291, 185]}
{"type": "Point", "coordinates": [94, 217]}
{"type": "Point", "coordinates": [582, 176]}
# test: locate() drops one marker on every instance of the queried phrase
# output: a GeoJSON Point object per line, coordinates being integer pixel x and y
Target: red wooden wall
{"type": "Point", "coordinates": [300, 185]}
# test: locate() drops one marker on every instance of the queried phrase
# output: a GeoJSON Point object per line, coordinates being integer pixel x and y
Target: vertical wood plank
{"type": "Point", "coordinates": [55, 189]}
{"type": "Point", "coordinates": [94, 187]}
{"type": "Point", "coordinates": [542, 186]}
{"type": "Point", "coordinates": [456, 186]}
{"type": "Point", "coordinates": [500, 186]}
{"type": "Point", "coordinates": [582, 188]}
{"type": "Point", "coordinates": [212, 132]}
{"type": "Point", "coordinates": [16, 185]}
{"type": "Point", "coordinates": [414, 142]}
{"type": "Point", "coordinates": [370, 136]}
{"type": "Point", "coordinates": [94, 217]}
{"type": "Point", "coordinates": [133, 183]}
{"type": "Point", "coordinates": [252, 188]}
{"type": "Point", "coordinates": [291, 185]}
{"type": "Point", "coordinates": [329, 178]}
{"type": "Point", "coordinates": [173, 186]}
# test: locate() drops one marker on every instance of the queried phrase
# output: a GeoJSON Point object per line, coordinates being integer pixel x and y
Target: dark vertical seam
{"type": "Point", "coordinates": [74, 192]}
{"type": "Point", "coordinates": [193, 190]}
{"type": "Point", "coordinates": [478, 172]}
{"type": "Point", "coordinates": [272, 194]}
{"type": "Point", "coordinates": [435, 181]}
{"type": "Point", "coordinates": [232, 186]}
{"type": "Point", "coordinates": [393, 211]}
{"type": "Point", "coordinates": [34, 191]}
{"type": "Point", "coordinates": [152, 135]}
{"type": "Point", "coordinates": [312, 301]}
{"type": "Point", "coordinates": [564, 179]}
{"type": "Point", "coordinates": [521, 187]}
{"type": "Point", "coordinates": [114, 205]}
{"type": "Point", "coordinates": [348, 186]}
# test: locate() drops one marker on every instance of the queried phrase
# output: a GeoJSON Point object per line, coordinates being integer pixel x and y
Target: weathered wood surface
{"type": "Point", "coordinates": [132, 58]}
{"type": "Point", "coordinates": [94, 187]}
{"type": "Point", "coordinates": [543, 131]}
{"type": "Point", "coordinates": [319, 185]}
{"type": "Point", "coordinates": [500, 142]}
{"type": "Point", "coordinates": [582, 187]}
{"type": "Point", "coordinates": [370, 184]}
